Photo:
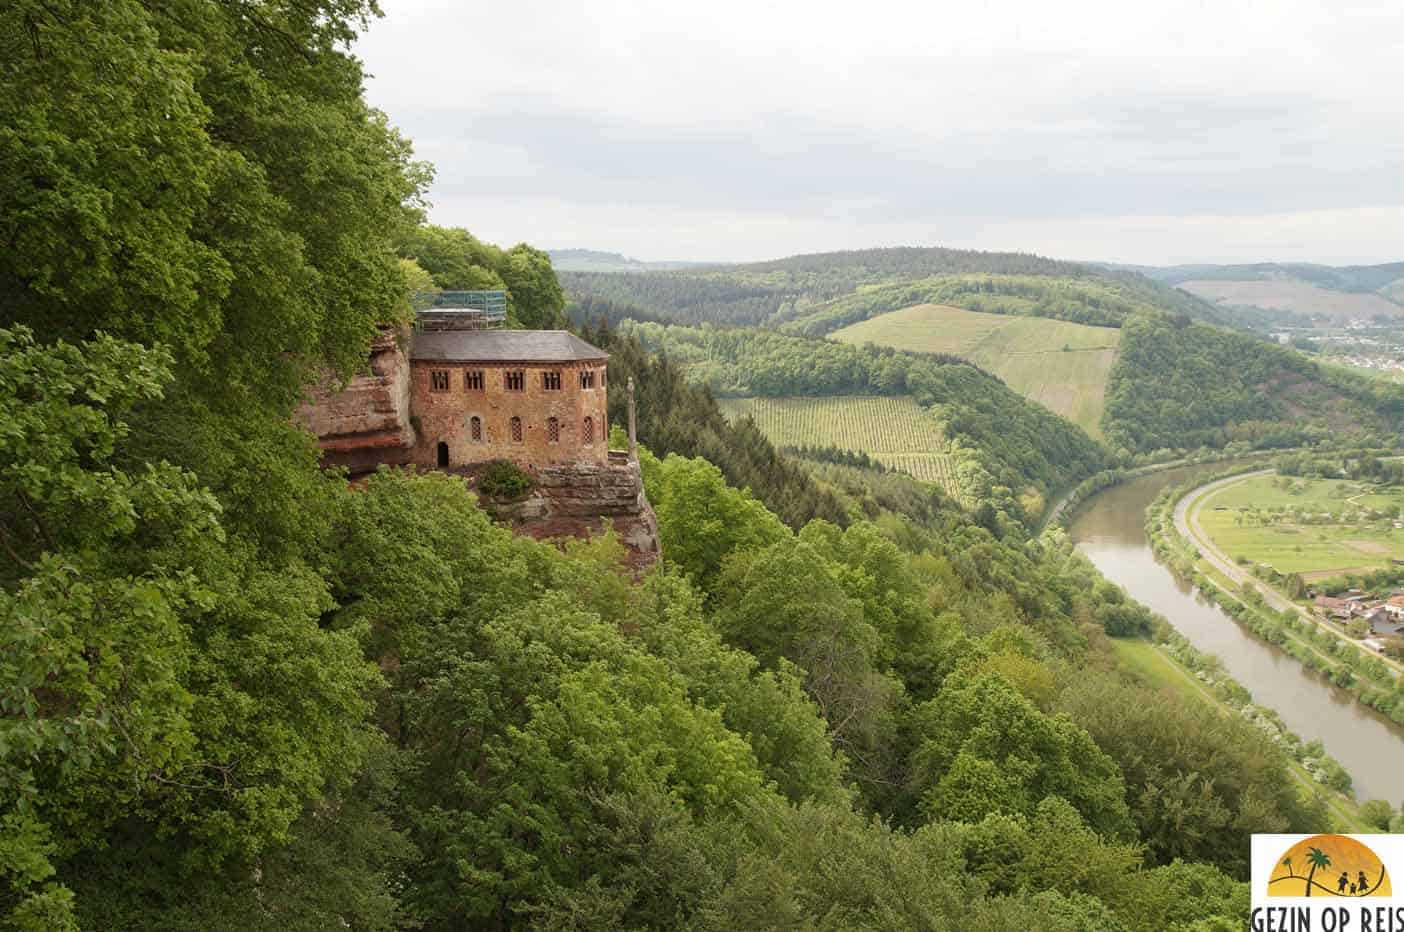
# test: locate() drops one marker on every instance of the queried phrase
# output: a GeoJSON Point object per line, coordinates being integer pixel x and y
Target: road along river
{"type": "Point", "coordinates": [1110, 530]}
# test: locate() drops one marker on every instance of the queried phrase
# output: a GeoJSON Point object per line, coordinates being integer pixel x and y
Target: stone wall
{"type": "Point", "coordinates": [446, 416]}
{"type": "Point", "coordinates": [367, 422]}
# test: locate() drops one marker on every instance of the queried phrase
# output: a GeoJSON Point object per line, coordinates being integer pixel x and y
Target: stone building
{"type": "Point", "coordinates": [455, 393]}
{"type": "Point", "coordinates": [535, 397]}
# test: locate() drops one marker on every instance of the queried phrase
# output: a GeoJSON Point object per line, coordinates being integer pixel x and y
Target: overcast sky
{"type": "Point", "coordinates": [1145, 132]}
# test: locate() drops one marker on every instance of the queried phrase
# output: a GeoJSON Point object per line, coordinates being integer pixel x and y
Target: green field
{"type": "Point", "coordinates": [1060, 365]}
{"type": "Point", "coordinates": [1316, 527]}
{"type": "Point", "coordinates": [895, 431]}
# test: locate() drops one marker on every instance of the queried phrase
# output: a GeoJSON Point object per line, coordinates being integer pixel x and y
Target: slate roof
{"type": "Point", "coordinates": [502, 346]}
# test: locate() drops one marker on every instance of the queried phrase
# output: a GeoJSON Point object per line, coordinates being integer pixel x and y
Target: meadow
{"type": "Point", "coordinates": [894, 430]}
{"type": "Point", "coordinates": [1316, 527]}
{"type": "Point", "coordinates": [1062, 366]}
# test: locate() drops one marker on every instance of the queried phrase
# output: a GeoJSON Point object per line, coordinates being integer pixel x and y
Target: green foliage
{"type": "Point", "coordinates": [1008, 442]}
{"type": "Point", "coordinates": [1377, 813]}
{"type": "Point", "coordinates": [1197, 780]}
{"type": "Point", "coordinates": [456, 260]}
{"type": "Point", "coordinates": [675, 417]}
{"type": "Point", "coordinates": [1183, 385]}
{"type": "Point", "coordinates": [701, 519]}
{"type": "Point", "coordinates": [504, 480]}
{"type": "Point", "coordinates": [984, 748]}
{"type": "Point", "coordinates": [1085, 299]}
{"type": "Point", "coordinates": [156, 670]}
{"type": "Point", "coordinates": [174, 175]}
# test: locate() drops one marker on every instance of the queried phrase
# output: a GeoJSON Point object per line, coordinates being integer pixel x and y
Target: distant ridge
{"type": "Point", "coordinates": [1289, 293]}
{"type": "Point", "coordinates": [594, 260]}
{"type": "Point", "coordinates": [818, 292]}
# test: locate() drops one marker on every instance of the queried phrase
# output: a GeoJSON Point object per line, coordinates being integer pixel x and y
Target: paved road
{"type": "Point", "coordinates": [1187, 523]}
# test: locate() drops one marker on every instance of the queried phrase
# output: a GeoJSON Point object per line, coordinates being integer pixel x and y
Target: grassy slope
{"type": "Point", "coordinates": [1314, 549]}
{"type": "Point", "coordinates": [1026, 352]}
{"type": "Point", "coordinates": [895, 431]}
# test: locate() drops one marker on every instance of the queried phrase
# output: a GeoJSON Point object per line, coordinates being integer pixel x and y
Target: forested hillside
{"type": "Point", "coordinates": [1179, 385]}
{"type": "Point", "coordinates": [817, 293]}
{"type": "Point", "coordinates": [240, 694]}
{"type": "Point", "coordinates": [1016, 445]}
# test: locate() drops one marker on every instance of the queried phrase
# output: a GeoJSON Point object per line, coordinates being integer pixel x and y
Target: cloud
{"type": "Point", "coordinates": [788, 119]}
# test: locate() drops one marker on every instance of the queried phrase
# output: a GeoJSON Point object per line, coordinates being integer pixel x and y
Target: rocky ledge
{"type": "Point", "coordinates": [579, 500]}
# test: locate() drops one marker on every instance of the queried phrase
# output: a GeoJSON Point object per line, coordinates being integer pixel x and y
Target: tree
{"type": "Point", "coordinates": [1378, 813]}
{"type": "Point", "coordinates": [701, 519]}
{"type": "Point", "coordinates": [459, 261]}
{"type": "Point", "coordinates": [205, 176]}
{"type": "Point", "coordinates": [161, 677]}
{"type": "Point", "coordinates": [1316, 858]}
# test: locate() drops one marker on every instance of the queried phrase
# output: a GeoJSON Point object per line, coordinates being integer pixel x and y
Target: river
{"type": "Point", "coordinates": [1110, 530]}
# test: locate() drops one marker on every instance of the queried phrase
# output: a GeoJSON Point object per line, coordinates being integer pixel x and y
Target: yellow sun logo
{"type": "Point", "coordinates": [1328, 865]}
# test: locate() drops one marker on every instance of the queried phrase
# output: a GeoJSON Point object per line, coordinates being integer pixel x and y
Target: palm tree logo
{"type": "Point", "coordinates": [1317, 858]}
{"type": "Point", "coordinates": [1362, 873]}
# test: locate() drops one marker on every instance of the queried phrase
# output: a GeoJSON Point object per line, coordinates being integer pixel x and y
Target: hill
{"type": "Point", "coordinates": [1011, 451]}
{"type": "Point", "coordinates": [593, 260]}
{"type": "Point", "coordinates": [1060, 365]}
{"type": "Point", "coordinates": [1182, 386]}
{"type": "Point", "coordinates": [811, 293]}
{"type": "Point", "coordinates": [1334, 293]}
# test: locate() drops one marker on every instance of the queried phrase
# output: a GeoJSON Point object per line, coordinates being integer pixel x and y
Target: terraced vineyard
{"type": "Point", "coordinates": [895, 431]}
{"type": "Point", "coordinates": [1060, 365]}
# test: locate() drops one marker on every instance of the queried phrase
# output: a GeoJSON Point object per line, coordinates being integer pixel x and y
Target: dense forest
{"type": "Point", "coordinates": [1009, 443]}
{"type": "Point", "coordinates": [238, 692]}
{"type": "Point", "coordinates": [1180, 385]}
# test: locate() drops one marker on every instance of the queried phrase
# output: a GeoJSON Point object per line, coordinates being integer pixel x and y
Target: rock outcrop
{"type": "Point", "coordinates": [578, 500]}
{"type": "Point", "coordinates": [367, 423]}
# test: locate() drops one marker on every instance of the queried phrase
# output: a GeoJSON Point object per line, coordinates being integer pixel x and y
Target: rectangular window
{"type": "Point", "coordinates": [473, 380]}
{"type": "Point", "coordinates": [587, 378]}
{"type": "Point", "coordinates": [551, 381]}
{"type": "Point", "coordinates": [515, 380]}
{"type": "Point", "coordinates": [438, 380]}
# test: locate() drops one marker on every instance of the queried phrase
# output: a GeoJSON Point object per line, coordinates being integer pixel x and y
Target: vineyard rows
{"type": "Point", "coordinates": [895, 431]}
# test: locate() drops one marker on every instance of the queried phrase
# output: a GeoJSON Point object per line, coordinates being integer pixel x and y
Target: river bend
{"type": "Point", "coordinates": [1110, 530]}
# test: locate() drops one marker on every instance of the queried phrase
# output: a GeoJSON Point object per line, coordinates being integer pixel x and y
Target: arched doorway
{"type": "Point", "coordinates": [443, 455]}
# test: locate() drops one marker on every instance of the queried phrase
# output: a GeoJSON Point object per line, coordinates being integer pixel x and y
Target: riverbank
{"type": "Point", "coordinates": [1153, 663]}
{"type": "Point", "coordinates": [1344, 663]}
{"type": "Point", "coordinates": [1110, 530]}
{"type": "Point", "coordinates": [1066, 506]}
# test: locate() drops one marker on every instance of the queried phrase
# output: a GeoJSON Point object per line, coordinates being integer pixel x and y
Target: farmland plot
{"type": "Point", "coordinates": [895, 431]}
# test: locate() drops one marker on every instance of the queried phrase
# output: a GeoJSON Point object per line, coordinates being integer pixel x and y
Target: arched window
{"type": "Point", "coordinates": [475, 429]}
{"type": "Point", "coordinates": [553, 430]}
{"type": "Point", "coordinates": [443, 455]}
{"type": "Point", "coordinates": [589, 431]}
{"type": "Point", "coordinates": [516, 430]}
